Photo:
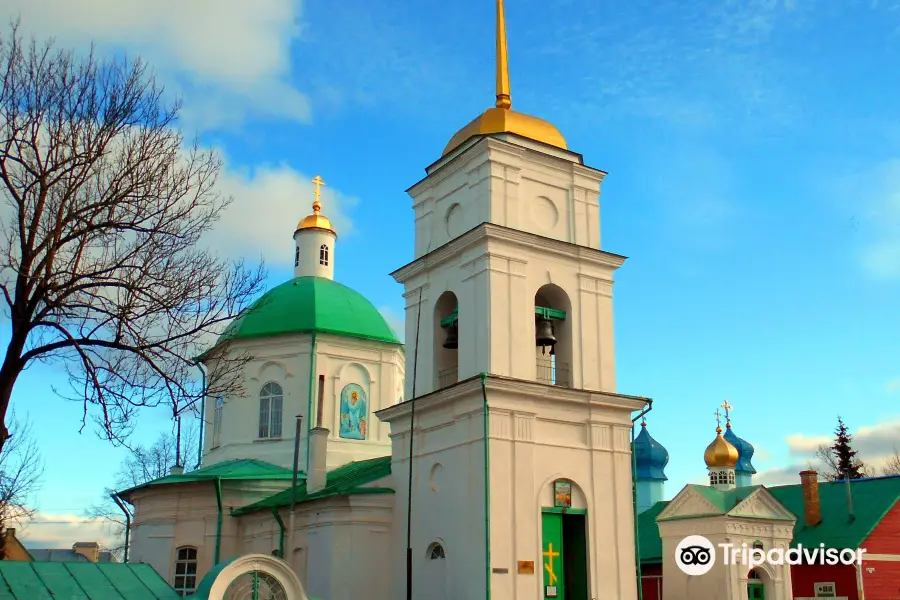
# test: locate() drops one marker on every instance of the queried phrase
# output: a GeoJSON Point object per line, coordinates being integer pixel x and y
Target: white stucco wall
{"type": "Point", "coordinates": [537, 434]}
{"type": "Point", "coordinates": [377, 367]}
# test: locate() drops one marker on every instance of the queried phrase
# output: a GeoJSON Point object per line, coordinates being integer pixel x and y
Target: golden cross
{"type": "Point", "coordinates": [727, 408]}
{"type": "Point", "coordinates": [718, 418]}
{"type": "Point", "coordinates": [318, 182]}
{"type": "Point", "coordinates": [548, 566]}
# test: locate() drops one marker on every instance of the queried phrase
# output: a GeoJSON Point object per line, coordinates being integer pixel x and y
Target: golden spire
{"type": "Point", "coordinates": [503, 98]}
{"type": "Point", "coordinates": [315, 220]}
{"type": "Point", "coordinates": [501, 118]}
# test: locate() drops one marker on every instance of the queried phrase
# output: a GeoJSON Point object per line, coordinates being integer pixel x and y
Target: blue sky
{"type": "Point", "coordinates": [753, 151]}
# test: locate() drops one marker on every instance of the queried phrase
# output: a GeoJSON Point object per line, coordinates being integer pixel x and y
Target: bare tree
{"type": "Point", "coordinates": [101, 213]}
{"type": "Point", "coordinates": [892, 466]}
{"type": "Point", "coordinates": [830, 465]}
{"type": "Point", "coordinates": [20, 474]}
{"type": "Point", "coordinates": [144, 464]}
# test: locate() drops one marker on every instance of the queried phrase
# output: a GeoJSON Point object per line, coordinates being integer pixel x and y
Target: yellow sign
{"type": "Point", "coordinates": [526, 567]}
{"type": "Point", "coordinates": [548, 566]}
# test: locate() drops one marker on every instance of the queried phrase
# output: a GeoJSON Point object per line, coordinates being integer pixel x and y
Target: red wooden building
{"type": "Point", "coordinates": [864, 514]}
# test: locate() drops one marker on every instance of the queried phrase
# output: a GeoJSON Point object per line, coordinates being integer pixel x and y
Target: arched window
{"type": "Point", "coordinates": [185, 582]}
{"type": "Point", "coordinates": [271, 398]}
{"type": "Point", "coordinates": [217, 422]}
{"type": "Point", "coordinates": [436, 552]}
{"type": "Point", "coordinates": [296, 256]}
{"type": "Point", "coordinates": [323, 255]}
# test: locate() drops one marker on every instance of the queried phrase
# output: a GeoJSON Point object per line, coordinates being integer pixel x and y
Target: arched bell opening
{"type": "Point", "coordinates": [553, 336]}
{"type": "Point", "coordinates": [446, 340]}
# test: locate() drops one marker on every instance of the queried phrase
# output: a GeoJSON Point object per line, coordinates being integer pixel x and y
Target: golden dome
{"type": "Point", "coordinates": [504, 120]}
{"type": "Point", "coordinates": [316, 221]}
{"type": "Point", "coordinates": [720, 453]}
{"type": "Point", "coordinates": [501, 118]}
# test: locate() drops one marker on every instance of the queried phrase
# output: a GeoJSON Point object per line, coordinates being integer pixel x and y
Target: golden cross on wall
{"type": "Point", "coordinates": [318, 182]}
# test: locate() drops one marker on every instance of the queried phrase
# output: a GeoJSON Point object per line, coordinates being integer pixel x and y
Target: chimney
{"type": "Point", "coordinates": [318, 449]}
{"type": "Point", "coordinates": [176, 470]}
{"type": "Point", "coordinates": [89, 550]}
{"type": "Point", "coordinates": [11, 532]}
{"type": "Point", "coordinates": [812, 512]}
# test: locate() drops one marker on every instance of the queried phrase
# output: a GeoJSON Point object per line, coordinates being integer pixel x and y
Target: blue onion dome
{"type": "Point", "coordinates": [745, 451]}
{"type": "Point", "coordinates": [650, 457]}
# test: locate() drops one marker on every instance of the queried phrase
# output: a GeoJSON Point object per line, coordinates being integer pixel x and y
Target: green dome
{"type": "Point", "coordinates": [311, 304]}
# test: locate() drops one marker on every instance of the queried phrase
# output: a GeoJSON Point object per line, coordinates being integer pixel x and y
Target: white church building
{"type": "Point", "coordinates": [488, 458]}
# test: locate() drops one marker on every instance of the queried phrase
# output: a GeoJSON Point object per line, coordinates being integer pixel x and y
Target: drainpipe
{"type": "Point", "coordinates": [118, 501]}
{"type": "Point", "coordinates": [637, 546]}
{"type": "Point", "coordinates": [218, 483]}
{"type": "Point", "coordinates": [487, 492]}
{"type": "Point", "coordinates": [202, 415]}
{"type": "Point", "coordinates": [281, 532]}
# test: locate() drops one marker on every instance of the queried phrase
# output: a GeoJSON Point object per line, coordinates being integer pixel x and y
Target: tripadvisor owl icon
{"type": "Point", "coordinates": [695, 555]}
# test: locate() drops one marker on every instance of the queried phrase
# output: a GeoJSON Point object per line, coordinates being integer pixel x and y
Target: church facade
{"type": "Point", "coordinates": [488, 458]}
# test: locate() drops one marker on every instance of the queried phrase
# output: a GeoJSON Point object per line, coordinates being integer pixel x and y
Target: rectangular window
{"type": "Point", "coordinates": [264, 417]}
{"type": "Point", "coordinates": [217, 422]}
{"type": "Point", "coordinates": [185, 581]}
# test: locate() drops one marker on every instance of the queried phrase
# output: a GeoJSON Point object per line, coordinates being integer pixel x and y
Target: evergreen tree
{"type": "Point", "coordinates": [847, 463]}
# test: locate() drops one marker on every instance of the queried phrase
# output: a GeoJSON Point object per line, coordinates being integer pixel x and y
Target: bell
{"type": "Point", "coordinates": [544, 335]}
{"type": "Point", "coordinates": [452, 341]}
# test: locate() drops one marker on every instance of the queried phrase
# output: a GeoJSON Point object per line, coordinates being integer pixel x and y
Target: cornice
{"type": "Point", "coordinates": [522, 239]}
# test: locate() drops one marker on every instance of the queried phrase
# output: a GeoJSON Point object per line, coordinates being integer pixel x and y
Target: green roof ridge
{"type": "Point", "coordinates": [311, 304]}
{"type": "Point", "coordinates": [228, 470]}
{"type": "Point", "coordinates": [345, 480]}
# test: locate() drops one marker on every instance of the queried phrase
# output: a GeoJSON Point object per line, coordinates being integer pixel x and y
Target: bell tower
{"type": "Point", "coordinates": [508, 276]}
{"type": "Point", "coordinates": [512, 448]}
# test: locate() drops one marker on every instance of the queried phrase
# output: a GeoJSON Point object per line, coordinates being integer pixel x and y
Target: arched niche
{"type": "Point", "coordinates": [270, 370]}
{"type": "Point", "coordinates": [553, 310]}
{"type": "Point", "coordinates": [223, 581]}
{"type": "Point", "coordinates": [355, 403]}
{"type": "Point", "coordinates": [548, 494]}
{"type": "Point", "coordinates": [446, 325]}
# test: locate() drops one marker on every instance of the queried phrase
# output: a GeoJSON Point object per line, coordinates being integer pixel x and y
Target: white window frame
{"type": "Point", "coordinates": [323, 255]}
{"type": "Point", "coordinates": [271, 409]}
{"type": "Point", "coordinates": [217, 421]}
{"type": "Point", "coordinates": [188, 580]}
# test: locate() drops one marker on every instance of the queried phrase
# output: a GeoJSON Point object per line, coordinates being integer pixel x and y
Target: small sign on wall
{"type": "Point", "coordinates": [562, 494]}
{"type": "Point", "coordinates": [550, 591]}
{"type": "Point", "coordinates": [526, 567]}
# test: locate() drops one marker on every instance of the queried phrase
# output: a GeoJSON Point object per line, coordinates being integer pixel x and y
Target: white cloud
{"type": "Point", "coordinates": [893, 386]}
{"type": "Point", "coordinates": [879, 191]}
{"type": "Point", "coordinates": [269, 201]}
{"type": "Point", "coordinates": [228, 58]}
{"type": "Point", "coordinates": [62, 530]}
{"type": "Point", "coordinates": [875, 444]}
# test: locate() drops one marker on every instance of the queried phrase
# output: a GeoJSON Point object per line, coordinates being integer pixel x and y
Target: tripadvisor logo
{"type": "Point", "coordinates": [696, 555]}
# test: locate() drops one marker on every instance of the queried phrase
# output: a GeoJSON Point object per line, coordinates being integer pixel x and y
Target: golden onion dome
{"type": "Point", "coordinates": [721, 453]}
{"type": "Point", "coordinates": [316, 220]}
{"type": "Point", "coordinates": [501, 118]}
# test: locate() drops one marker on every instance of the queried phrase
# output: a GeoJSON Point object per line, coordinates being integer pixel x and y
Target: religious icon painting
{"type": "Point", "coordinates": [562, 494]}
{"type": "Point", "coordinates": [354, 415]}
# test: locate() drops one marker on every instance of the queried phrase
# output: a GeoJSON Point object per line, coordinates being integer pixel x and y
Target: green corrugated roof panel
{"type": "Point", "coordinates": [248, 469]}
{"type": "Point", "coordinates": [307, 304]}
{"type": "Point", "coordinates": [345, 480]}
{"type": "Point", "coordinates": [82, 581]}
{"type": "Point", "coordinates": [872, 499]}
{"type": "Point", "coordinates": [649, 542]}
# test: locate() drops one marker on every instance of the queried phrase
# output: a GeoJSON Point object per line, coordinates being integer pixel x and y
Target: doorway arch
{"type": "Point", "coordinates": [251, 577]}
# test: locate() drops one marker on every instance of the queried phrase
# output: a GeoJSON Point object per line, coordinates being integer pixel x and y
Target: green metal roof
{"type": "Point", "coordinates": [343, 481]}
{"type": "Point", "coordinates": [243, 468]}
{"type": "Point", "coordinates": [873, 498]}
{"type": "Point", "coordinates": [308, 304]}
{"type": "Point", "coordinates": [649, 542]}
{"type": "Point", "coordinates": [82, 581]}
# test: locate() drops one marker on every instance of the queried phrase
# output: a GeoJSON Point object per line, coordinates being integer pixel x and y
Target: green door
{"type": "Point", "coordinates": [756, 591]}
{"type": "Point", "coordinates": [551, 555]}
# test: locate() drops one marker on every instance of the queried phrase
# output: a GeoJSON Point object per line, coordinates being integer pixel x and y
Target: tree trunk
{"type": "Point", "coordinates": [9, 372]}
